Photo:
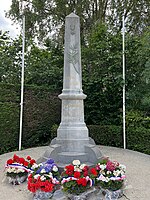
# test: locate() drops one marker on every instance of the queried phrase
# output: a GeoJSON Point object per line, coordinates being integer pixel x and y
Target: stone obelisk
{"type": "Point", "coordinates": [72, 141]}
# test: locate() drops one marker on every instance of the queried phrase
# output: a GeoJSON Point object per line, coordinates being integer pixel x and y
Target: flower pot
{"type": "Point", "coordinates": [39, 195]}
{"type": "Point", "coordinates": [112, 194]}
{"type": "Point", "coordinates": [17, 180]}
{"type": "Point", "coordinates": [85, 195]}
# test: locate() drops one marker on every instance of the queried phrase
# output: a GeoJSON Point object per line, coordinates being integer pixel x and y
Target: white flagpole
{"type": "Point", "coordinates": [22, 75]}
{"type": "Point", "coordinates": [123, 61]}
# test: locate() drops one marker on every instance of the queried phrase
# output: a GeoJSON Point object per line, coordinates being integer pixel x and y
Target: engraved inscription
{"type": "Point", "coordinates": [73, 57]}
{"type": "Point", "coordinates": [72, 29]}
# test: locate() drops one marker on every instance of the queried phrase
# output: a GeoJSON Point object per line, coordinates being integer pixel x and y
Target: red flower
{"type": "Point", "coordinates": [9, 162]}
{"type": "Point", "coordinates": [31, 187]}
{"type": "Point", "coordinates": [28, 158]}
{"type": "Point", "coordinates": [69, 169]}
{"type": "Point", "coordinates": [32, 161]}
{"type": "Point", "coordinates": [82, 181]}
{"type": "Point", "coordinates": [69, 172]}
{"type": "Point", "coordinates": [16, 158]}
{"type": "Point", "coordinates": [21, 160]}
{"type": "Point", "coordinates": [77, 174]}
{"type": "Point", "coordinates": [26, 164]}
{"type": "Point", "coordinates": [30, 177]}
{"type": "Point", "coordinates": [93, 171]}
{"type": "Point", "coordinates": [85, 173]}
{"type": "Point", "coordinates": [86, 168]}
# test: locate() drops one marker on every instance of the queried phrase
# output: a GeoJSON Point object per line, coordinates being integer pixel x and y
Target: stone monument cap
{"type": "Point", "coordinates": [72, 15]}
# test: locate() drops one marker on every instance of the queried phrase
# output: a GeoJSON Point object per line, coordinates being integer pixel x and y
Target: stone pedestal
{"type": "Point", "coordinates": [72, 141]}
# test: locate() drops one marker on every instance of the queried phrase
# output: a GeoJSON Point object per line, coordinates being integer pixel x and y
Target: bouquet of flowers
{"type": "Point", "coordinates": [43, 179]}
{"type": "Point", "coordinates": [111, 175]}
{"type": "Point", "coordinates": [76, 178]}
{"type": "Point", "coordinates": [17, 169]}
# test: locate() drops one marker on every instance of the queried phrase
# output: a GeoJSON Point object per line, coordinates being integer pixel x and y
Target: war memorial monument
{"type": "Point", "coordinates": [72, 141]}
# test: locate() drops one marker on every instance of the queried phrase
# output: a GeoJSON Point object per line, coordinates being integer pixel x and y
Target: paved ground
{"type": "Point", "coordinates": [138, 173]}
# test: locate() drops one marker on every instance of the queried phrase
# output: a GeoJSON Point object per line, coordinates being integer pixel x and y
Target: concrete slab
{"type": "Point", "coordinates": [138, 173]}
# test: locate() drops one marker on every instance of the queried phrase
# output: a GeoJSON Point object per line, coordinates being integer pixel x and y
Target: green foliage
{"type": "Point", "coordinates": [111, 135]}
{"type": "Point", "coordinates": [9, 117]}
{"type": "Point", "coordinates": [72, 187]}
{"type": "Point", "coordinates": [138, 139]}
{"type": "Point", "coordinates": [10, 59]}
{"type": "Point", "coordinates": [54, 131]}
{"type": "Point", "coordinates": [44, 66]}
{"type": "Point", "coordinates": [137, 73]}
{"type": "Point", "coordinates": [44, 17]}
{"type": "Point", "coordinates": [9, 120]}
{"type": "Point", "coordinates": [111, 185]}
{"type": "Point", "coordinates": [102, 77]}
{"type": "Point", "coordinates": [41, 111]}
{"type": "Point", "coordinates": [108, 135]}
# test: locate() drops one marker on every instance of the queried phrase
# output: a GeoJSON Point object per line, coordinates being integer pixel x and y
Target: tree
{"type": "Point", "coordinates": [102, 74]}
{"type": "Point", "coordinates": [47, 17]}
{"type": "Point", "coordinates": [10, 59]}
{"type": "Point", "coordinates": [102, 77]}
{"type": "Point", "coordinates": [44, 65]}
{"type": "Point", "coordinates": [138, 58]}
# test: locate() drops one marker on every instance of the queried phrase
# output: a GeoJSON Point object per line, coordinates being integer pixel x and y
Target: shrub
{"type": "Point", "coordinates": [41, 111]}
{"type": "Point", "coordinates": [137, 138]}
{"type": "Point", "coordinates": [109, 135]}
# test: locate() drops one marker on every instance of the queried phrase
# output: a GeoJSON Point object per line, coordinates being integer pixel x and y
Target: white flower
{"type": "Point", "coordinates": [122, 167]}
{"type": "Point", "coordinates": [122, 173]}
{"type": "Point", "coordinates": [11, 170]}
{"type": "Point", "coordinates": [43, 171]}
{"type": "Point", "coordinates": [77, 169]}
{"type": "Point", "coordinates": [36, 176]}
{"type": "Point", "coordinates": [102, 172]}
{"type": "Point", "coordinates": [34, 166]}
{"type": "Point", "coordinates": [108, 172]}
{"type": "Point", "coordinates": [50, 175]}
{"type": "Point", "coordinates": [42, 178]}
{"type": "Point", "coordinates": [103, 167]}
{"type": "Point", "coordinates": [76, 162]}
{"type": "Point", "coordinates": [55, 168]}
{"type": "Point", "coordinates": [116, 173]}
{"type": "Point", "coordinates": [82, 166]}
{"type": "Point", "coordinates": [20, 170]}
{"type": "Point", "coordinates": [40, 164]}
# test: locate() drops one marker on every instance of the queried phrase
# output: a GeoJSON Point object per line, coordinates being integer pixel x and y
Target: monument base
{"type": "Point", "coordinates": [89, 155]}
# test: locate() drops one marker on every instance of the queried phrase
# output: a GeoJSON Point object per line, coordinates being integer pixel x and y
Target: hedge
{"type": "Point", "coordinates": [41, 116]}
{"type": "Point", "coordinates": [111, 135]}
{"type": "Point", "coordinates": [41, 111]}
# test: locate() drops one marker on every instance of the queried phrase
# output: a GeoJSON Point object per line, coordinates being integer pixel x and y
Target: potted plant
{"type": "Point", "coordinates": [111, 177]}
{"type": "Point", "coordinates": [17, 169]}
{"type": "Point", "coordinates": [44, 179]}
{"type": "Point", "coordinates": [76, 179]}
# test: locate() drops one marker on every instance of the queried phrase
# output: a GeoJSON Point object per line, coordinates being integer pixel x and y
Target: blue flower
{"type": "Point", "coordinates": [50, 161]}
{"type": "Point", "coordinates": [48, 167]}
{"type": "Point", "coordinates": [39, 170]}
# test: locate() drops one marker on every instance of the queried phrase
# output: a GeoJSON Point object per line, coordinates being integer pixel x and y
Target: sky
{"type": "Point", "coordinates": [5, 23]}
